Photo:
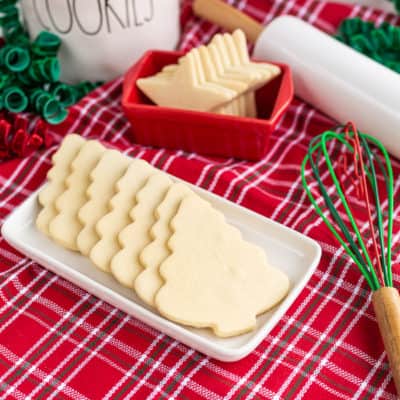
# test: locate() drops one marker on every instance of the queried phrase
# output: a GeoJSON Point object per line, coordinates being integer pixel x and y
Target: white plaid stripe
{"type": "Point", "coordinates": [269, 172]}
{"type": "Point", "coordinates": [43, 339]}
{"type": "Point", "coordinates": [337, 369]}
{"type": "Point", "coordinates": [11, 303]}
{"type": "Point", "coordinates": [38, 373]}
{"type": "Point", "coordinates": [202, 176]}
{"type": "Point", "coordinates": [300, 203]}
{"type": "Point", "coordinates": [26, 180]}
{"type": "Point", "coordinates": [93, 353]}
{"type": "Point", "coordinates": [364, 384]}
{"type": "Point", "coordinates": [171, 159]}
{"type": "Point", "coordinates": [279, 142]}
{"type": "Point", "coordinates": [4, 185]}
{"type": "Point", "coordinates": [23, 263]}
{"type": "Point", "coordinates": [188, 377]}
{"type": "Point", "coordinates": [117, 344]}
{"type": "Point", "coordinates": [96, 117]}
{"type": "Point", "coordinates": [380, 393]}
{"type": "Point", "coordinates": [90, 102]}
{"type": "Point", "coordinates": [61, 339]}
{"type": "Point", "coordinates": [121, 346]}
{"type": "Point", "coordinates": [18, 261]}
{"type": "Point", "coordinates": [167, 377]}
{"type": "Point", "coordinates": [19, 312]}
{"type": "Point", "coordinates": [321, 363]}
{"type": "Point", "coordinates": [140, 361]}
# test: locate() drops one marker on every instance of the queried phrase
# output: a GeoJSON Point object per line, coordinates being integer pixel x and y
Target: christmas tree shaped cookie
{"type": "Point", "coordinates": [65, 227]}
{"type": "Point", "coordinates": [149, 281]}
{"type": "Point", "coordinates": [56, 177]}
{"type": "Point", "coordinates": [109, 226]}
{"type": "Point", "coordinates": [237, 46]}
{"type": "Point", "coordinates": [214, 278]}
{"type": "Point", "coordinates": [125, 265]}
{"type": "Point", "coordinates": [104, 177]}
{"type": "Point", "coordinates": [185, 88]}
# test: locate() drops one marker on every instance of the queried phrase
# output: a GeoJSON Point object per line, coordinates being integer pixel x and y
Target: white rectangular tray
{"type": "Point", "coordinates": [286, 249]}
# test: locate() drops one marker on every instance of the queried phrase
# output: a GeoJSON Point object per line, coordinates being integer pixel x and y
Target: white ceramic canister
{"type": "Point", "coordinates": [103, 38]}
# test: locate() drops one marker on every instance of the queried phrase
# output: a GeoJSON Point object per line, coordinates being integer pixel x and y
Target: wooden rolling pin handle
{"type": "Point", "coordinates": [228, 17]}
{"type": "Point", "coordinates": [386, 302]}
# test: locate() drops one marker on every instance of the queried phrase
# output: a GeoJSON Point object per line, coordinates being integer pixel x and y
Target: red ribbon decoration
{"type": "Point", "coordinates": [16, 140]}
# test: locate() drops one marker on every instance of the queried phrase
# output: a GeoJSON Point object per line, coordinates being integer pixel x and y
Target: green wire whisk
{"type": "Point", "coordinates": [341, 164]}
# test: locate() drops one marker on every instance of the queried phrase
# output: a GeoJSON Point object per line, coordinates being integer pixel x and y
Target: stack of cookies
{"type": "Point", "coordinates": [218, 78]}
{"type": "Point", "coordinates": [158, 237]}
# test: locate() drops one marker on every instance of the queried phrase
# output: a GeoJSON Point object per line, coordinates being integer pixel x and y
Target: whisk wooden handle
{"type": "Point", "coordinates": [227, 17]}
{"type": "Point", "coordinates": [386, 303]}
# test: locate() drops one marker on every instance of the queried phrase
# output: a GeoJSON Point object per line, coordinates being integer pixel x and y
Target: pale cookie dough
{"type": "Point", "coordinates": [210, 75]}
{"type": "Point", "coordinates": [125, 266]}
{"type": "Point", "coordinates": [192, 94]}
{"type": "Point", "coordinates": [104, 177]}
{"type": "Point", "coordinates": [65, 227]}
{"type": "Point", "coordinates": [248, 81]}
{"type": "Point", "coordinates": [239, 57]}
{"type": "Point", "coordinates": [231, 108]}
{"type": "Point", "coordinates": [118, 218]}
{"type": "Point", "coordinates": [238, 40]}
{"type": "Point", "coordinates": [214, 66]}
{"type": "Point", "coordinates": [149, 281]}
{"type": "Point", "coordinates": [56, 176]}
{"type": "Point", "coordinates": [253, 77]}
{"type": "Point", "coordinates": [236, 60]}
{"type": "Point", "coordinates": [214, 278]}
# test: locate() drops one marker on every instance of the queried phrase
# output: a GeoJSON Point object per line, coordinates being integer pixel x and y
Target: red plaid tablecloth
{"type": "Point", "coordinates": [57, 341]}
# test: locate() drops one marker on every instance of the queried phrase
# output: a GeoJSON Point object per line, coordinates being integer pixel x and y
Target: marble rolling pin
{"type": "Point", "coordinates": [334, 78]}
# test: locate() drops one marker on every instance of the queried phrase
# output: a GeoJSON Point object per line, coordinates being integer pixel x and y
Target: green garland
{"type": "Point", "coordinates": [30, 71]}
{"type": "Point", "coordinates": [381, 43]}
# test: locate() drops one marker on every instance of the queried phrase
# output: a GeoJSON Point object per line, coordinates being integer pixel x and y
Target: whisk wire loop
{"type": "Point", "coordinates": [324, 139]}
{"type": "Point", "coordinates": [380, 256]}
{"type": "Point", "coordinates": [388, 177]}
{"type": "Point", "coordinates": [365, 172]}
{"type": "Point", "coordinates": [351, 249]}
{"type": "Point", "coordinates": [331, 206]}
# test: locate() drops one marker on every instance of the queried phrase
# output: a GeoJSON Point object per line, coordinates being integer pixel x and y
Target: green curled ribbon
{"type": "Point", "coordinates": [34, 68]}
{"type": "Point", "coordinates": [46, 44]}
{"type": "Point", "coordinates": [13, 31]}
{"type": "Point", "coordinates": [15, 58]}
{"type": "Point", "coordinates": [48, 106]}
{"type": "Point", "coordinates": [6, 80]}
{"type": "Point", "coordinates": [4, 4]}
{"type": "Point", "coordinates": [65, 94]}
{"type": "Point", "coordinates": [9, 16]}
{"type": "Point", "coordinates": [16, 35]}
{"type": "Point", "coordinates": [14, 99]}
{"type": "Point", "coordinates": [45, 70]}
{"type": "Point", "coordinates": [381, 43]}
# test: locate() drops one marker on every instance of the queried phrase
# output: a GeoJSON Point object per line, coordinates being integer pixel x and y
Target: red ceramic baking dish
{"type": "Point", "coordinates": [203, 132]}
